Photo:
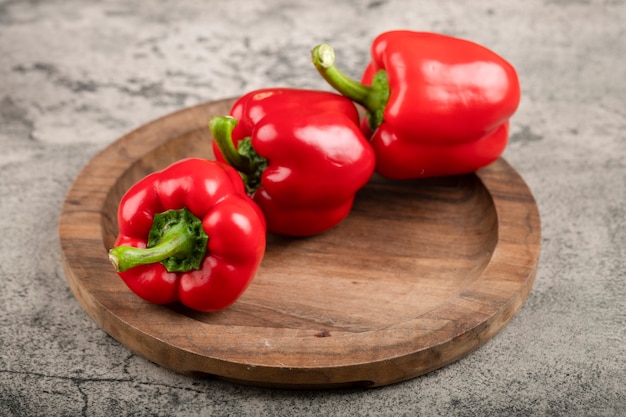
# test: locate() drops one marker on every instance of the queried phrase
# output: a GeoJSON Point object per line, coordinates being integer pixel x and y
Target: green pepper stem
{"type": "Point", "coordinates": [222, 130]}
{"type": "Point", "coordinates": [373, 98]}
{"type": "Point", "coordinates": [177, 240]}
{"type": "Point", "coordinates": [175, 244]}
{"type": "Point", "coordinates": [323, 57]}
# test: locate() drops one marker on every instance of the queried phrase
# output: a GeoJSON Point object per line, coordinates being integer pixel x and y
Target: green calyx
{"type": "Point", "coordinates": [258, 163]}
{"type": "Point", "coordinates": [176, 239]}
{"type": "Point", "coordinates": [380, 88]}
{"type": "Point", "coordinates": [243, 157]}
{"type": "Point", "coordinates": [373, 97]}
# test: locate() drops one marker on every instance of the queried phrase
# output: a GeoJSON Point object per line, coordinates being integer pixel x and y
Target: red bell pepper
{"type": "Point", "coordinates": [435, 105]}
{"type": "Point", "coordinates": [189, 233]}
{"type": "Point", "coordinates": [301, 153]}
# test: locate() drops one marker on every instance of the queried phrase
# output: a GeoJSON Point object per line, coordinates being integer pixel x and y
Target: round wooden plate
{"type": "Point", "coordinates": [419, 274]}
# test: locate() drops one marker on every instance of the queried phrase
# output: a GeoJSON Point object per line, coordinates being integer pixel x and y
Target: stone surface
{"type": "Point", "coordinates": [76, 75]}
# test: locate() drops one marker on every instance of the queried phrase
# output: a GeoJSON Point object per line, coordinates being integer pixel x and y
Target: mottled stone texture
{"type": "Point", "coordinates": [75, 75]}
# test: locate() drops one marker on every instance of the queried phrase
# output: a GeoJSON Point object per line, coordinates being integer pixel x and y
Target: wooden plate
{"type": "Point", "coordinates": [420, 274]}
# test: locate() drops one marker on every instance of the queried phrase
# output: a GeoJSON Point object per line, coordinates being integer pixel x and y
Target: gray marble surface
{"type": "Point", "coordinates": [77, 75]}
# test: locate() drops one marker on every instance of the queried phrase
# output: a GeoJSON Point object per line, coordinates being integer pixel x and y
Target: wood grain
{"type": "Point", "coordinates": [420, 274]}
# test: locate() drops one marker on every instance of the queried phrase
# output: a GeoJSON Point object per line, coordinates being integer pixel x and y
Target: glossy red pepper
{"type": "Point", "coordinates": [436, 105]}
{"type": "Point", "coordinates": [301, 153]}
{"type": "Point", "coordinates": [189, 233]}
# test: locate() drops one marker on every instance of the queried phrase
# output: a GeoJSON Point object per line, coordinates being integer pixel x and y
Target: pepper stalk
{"type": "Point", "coordinates": [177, 240]}
{"type": "Point", "coordinates": [372, 97]}
{"type": "Point", "coordinates": [243, 157]}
